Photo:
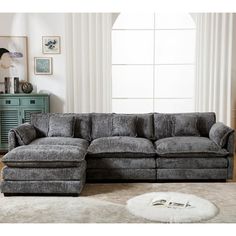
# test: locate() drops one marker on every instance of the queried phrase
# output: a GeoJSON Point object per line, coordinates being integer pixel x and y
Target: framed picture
{"type": "Point", "coordinates": [51, 44]}
{"type": "Point", "coordinates": [43, 65]}
{"type": "Point", "coordinates": [13, 57]}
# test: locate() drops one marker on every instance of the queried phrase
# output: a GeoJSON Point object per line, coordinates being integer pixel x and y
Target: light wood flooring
{"type": "Point", "coordinates": [1, 164]}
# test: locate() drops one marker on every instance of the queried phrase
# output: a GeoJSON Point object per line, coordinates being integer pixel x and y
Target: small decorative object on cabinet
{"type": "Point", "coordinates": [26, 87]}
{"type": "Point", "coordinates": [15, 109]}
{"type": "Point", "coordinates": [12, 85]}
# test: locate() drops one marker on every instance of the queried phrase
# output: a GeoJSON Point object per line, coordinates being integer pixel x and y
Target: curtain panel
{"type": "Point", "coordinates": [213, 64]}
{"type": "Point", "coordinates": [88, 62]}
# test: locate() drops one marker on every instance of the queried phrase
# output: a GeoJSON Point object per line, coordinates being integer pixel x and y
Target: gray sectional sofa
{"type": "Point", "coordinates": [57, 153]}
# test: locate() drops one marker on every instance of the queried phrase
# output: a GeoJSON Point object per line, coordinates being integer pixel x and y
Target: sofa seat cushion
{"type": "Point", "coordinates": [45, 156]}
{"type": "Point", "coordinates": [61, 141]}
{"type": "Point", "coordinates": [188, 146]}
{"type": "Point", "coordinates": [121, 147]}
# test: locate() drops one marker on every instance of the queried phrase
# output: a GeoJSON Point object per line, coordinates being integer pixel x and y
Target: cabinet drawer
{"type": "Point", "coordinates": [9, 102]}
{"type": "Point", "coordinates": [32, 101]}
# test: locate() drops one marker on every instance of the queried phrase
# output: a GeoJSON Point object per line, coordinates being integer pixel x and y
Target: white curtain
{"type": "Point", "coordinates": [88, 54]}
{"type": "Point", "coordinates": [213, 64]}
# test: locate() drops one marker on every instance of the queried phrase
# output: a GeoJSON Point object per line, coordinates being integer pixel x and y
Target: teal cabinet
{"type": "Point", "coordinates": [15, 109]}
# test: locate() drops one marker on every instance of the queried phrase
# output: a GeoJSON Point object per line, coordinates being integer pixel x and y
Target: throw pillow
{"type": "Point", "coordinates": [124, 125]}
{"type": "Point", "coordinates": [82, 126]}
{"type": "Point", "coordinates": [25, 133]}
{"type": "Point", "coordinates": [61, 126]}
{"type": "Point", "coordinates": [184, 125]}
{"type": "Point", "coordinates": [144, 126]}
{"type": "Point", "coordinates": [101, 125]}
{"type": "Point", "coordinates": [219, 133]}
{"type": "Point", "coordinates": [40, 121]}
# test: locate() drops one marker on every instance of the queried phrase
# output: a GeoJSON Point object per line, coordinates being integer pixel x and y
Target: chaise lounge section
{"type": "Point", "coordinates": [45, 169]}
{"type": "Point", "coordinates": [57, 152]}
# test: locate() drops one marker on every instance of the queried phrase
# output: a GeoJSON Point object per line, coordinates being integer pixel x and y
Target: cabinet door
{"type": "Point", "coordinates": [25, 113]}
{"type": "Point", "coordinates": [9, 118]}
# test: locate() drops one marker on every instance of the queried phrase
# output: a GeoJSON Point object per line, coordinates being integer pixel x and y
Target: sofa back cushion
{"type": "Point", "coordinates": [163, 123]}
{"type": "Point", "coordinates": [124, 125]}
{"type": "Point", "coordinates": [97, 125]}
{"type": "Point", "coordinates": [82, 127]}
{"type": "Point", "coordinates": [144, 126]}
{"type": "Point", "coordinates": [185, 125]}
{"type": "Point", "coordinates": [41, 123]}
{"type": "Point", "coordinates": [101, 125]}
{"type": "Point", "coordinates": [61, 126]}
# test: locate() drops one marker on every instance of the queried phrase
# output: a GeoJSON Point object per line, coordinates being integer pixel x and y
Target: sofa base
{"type": "Point", "coordinates": [121, 174]}
{"type": "Point", "coordinates": [44, 174]}
{"type": "Point", "coordinates": [42, 187]}
{"type": "Point", "coordinates": [191, 174]}
{"type": "Point", "coordinates": [191, 162]}
{"type": "Point", "coordinates": [159, 181]}
{"type": "Point", "coordinates": [120, 162]}
{"type": "Point", "coordinates": [40, 194]}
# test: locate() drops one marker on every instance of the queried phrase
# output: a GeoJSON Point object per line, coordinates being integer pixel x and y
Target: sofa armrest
{"type": "Point", "coordinates": [12, 140]}
{"type": "Point", "coordinates": [230, 148]}
{"type": "Point", "coordinates": [21, 135]}
{"type": "Point", "coordinates": [230, 144]}
{"type": "Point", "coordinates": [219, 133]}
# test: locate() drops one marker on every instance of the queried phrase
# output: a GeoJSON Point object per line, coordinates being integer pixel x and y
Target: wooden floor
{"type": "Point", "coordinates": [233, 180]}
{"type": "Point", "coordinates": [1, 165]}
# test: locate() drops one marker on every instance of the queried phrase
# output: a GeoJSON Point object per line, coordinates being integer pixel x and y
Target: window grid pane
{"type": "Point", "coordinates": [173, 105]}
{"type": "Point", "coordinates": [132, 21]}
{"type": "Point", "coordinates": [153, 69]}
{"type": "Point", "coordinates": [174, 81]}
{"type": "Point", "coordinates": [176, 21]}
{"type": "Point", "coordinates": [132, 46]}
{"type": "Point", "coordinates": [128, 81]}
{"type": "Point", "coordinates": [132, 105]}
{"type": "Point", "coordinates": [175, 46]}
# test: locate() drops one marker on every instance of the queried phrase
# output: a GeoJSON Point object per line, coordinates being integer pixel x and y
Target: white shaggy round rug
{"type": "Point", "coordinates": [172, 207]}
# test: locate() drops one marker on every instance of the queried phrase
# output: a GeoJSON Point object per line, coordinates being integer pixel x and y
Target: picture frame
{"type": "Point", "coordinates": [51, 44]}
{"type": "Point", "coordinates": [43, 65]}
{"type": "Point", "coordinates": [14, 57]}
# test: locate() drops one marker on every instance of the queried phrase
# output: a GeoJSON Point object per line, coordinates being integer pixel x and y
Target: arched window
{"type": "Point", "coordinates": [153, 60]}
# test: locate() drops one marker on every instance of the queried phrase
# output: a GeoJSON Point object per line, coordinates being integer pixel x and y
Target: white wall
{"type": "Point", "coordinates": [233, 88]}
{"type": "Point", "coordinates": [34, 26]}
